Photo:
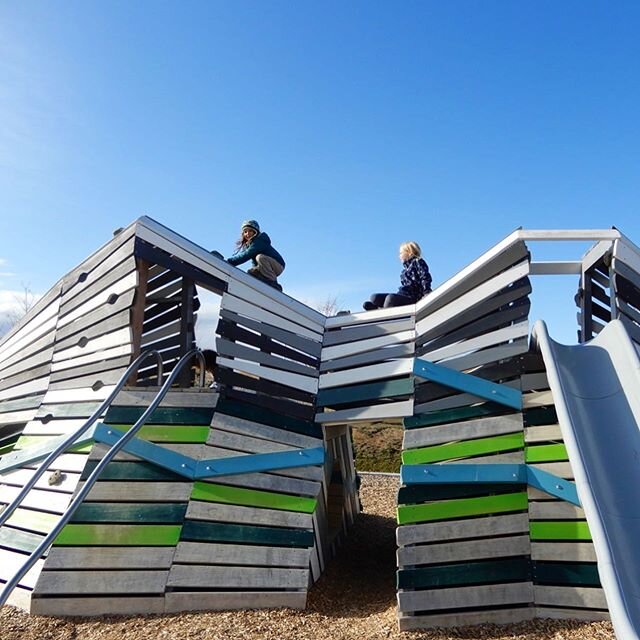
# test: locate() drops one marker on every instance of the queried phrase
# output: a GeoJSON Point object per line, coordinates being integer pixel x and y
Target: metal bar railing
{"type": "Point", "coordinates": [44, 465]}
{"type": "Point", "coordinates": [93, 476]}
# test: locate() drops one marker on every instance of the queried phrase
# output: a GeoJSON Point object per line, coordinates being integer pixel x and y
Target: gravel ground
{"type": "Point", "coordinates": [355, 599]}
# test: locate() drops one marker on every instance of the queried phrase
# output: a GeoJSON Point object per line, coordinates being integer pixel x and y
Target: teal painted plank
{"type": "Point", "coordinates": [468, 383]}
{"type": "Point", "coordinates": [117, 470]}
{"type": "Point", "coordinates": [165, 513]}
{"type": "Point", "coordinates": [362, 392]}
{"type": "Point", "coordinates": [539, 416]}
{"type": "Point", "coordinates": [269, 536]}
{"type": "Point", "coordinates": [419, 493]}
{"type": "Point", "coordinates": [162, 415]}
{"type": "Point", "coordinates": [446, 416]}
{"type": "Point", "coordinates": [578, 574]}
{"type": "Point", "coordinates": [271, 418]}
{"type": "Point", "coordinates": [515, 569]}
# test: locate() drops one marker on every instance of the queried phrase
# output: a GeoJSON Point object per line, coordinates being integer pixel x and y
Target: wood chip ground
{"type": "Point", "coordinates": [355, 599]}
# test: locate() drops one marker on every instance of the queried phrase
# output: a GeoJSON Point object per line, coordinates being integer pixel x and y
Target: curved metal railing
{"type": "Point", "coordinates": [44, 465]}
{"type": "Point", "coordinates": [93, 476]}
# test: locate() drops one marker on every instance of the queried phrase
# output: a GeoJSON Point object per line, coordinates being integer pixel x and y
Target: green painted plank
{"type": "Point", "coordinates": [539, 416]}
{"type": "Point", "coordinates": [418, 493]}
{"type": "Point", "coordinates": [119, 535]}
{"type": "Point", "coordinates": [361, 392]}
{"type": "Point", "coordinates": [466, 573]}
{"type": "Point", "coordinates": [7, 448]}
{"type": "Point", "coordinates": [559, 530]}
{"type": "Point", "coordinates": [32, 441]}
{"type": "Point", "coordinates": [194, 434]}
{"type": "Point", "coordinates": [452, 509]}
{"type": "Point", "coordinates": [546, 453]}
{"type": "Point", "coordinates": [271, 418]}
{"type": "Point", "coordinates": [162, 415]}
{"type": "Point", "coordinates": [445, 416]}
{"type": "Point", "coordinates": [578, 574]}
{"type": "Point", "coordinates": [132, 471]}
{"type": "Point", "coordinates": [164, 513]}
{"type": "Point", "coordinates": [19, 540]}
{"type": "Point", "coordinates": [464, 449]}
{"type": "Point", "coordinates": [251, 497]}
{"type": "Point", "coordinates": [194, 530]}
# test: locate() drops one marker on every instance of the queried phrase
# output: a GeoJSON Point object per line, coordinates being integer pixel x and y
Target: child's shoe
{"type": "Point", "coordinates": [369, 306]}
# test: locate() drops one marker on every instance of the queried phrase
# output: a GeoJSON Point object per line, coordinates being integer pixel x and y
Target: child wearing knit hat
{"type": "Point", "coordinates": [255, 245]}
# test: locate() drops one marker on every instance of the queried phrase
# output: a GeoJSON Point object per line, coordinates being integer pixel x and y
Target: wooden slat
{"type": "Point", "coordinates": [487, 340]}
{"type": "Point", "coordinates": [363, 332]}
{"type": "Point", "coordinates": [511, 251]}
{"type": "Point", "coordinates": [377, 412]}
{"type": "Point", "coordinates": [300, 343]}
{"type": "Point", "coordinates": [570, 597]}
{"type": "Point", "coordinates": [466, 618]}
{"type": "Point", "coordinates": [466, 597]}
{"type": "Point", "coordinates": [305, 383]}
{"type": "Point", "coordinates": [66, 558]}
{"type": "Point", "coordinates": [194, 576]}
{"type": "Point", "coordinates": [371, 357]}
{"type": "Point", "coordinates": [220, 512]}
{"type": "Point", "coordinates": [364, 374]}
{"type": "Point", "coordinates": [101, 582]}
{"type": "Point", "coordinates": [464, 551]}
{"type": "Point", "coordinates": [563, 551]}
{"type": "Point", "coordinates": [291, 309]}
{"type": "Point", "coordinates": [230, 303]}
{"type": "Point", "coordinates": [120, 287]}
{"type": "Point", "coordinates": [198, 531]}
{"type": "Point", "coordinates": [361, 346]}
{"type": "Point", "coordinates": [222, 601]}
{"type": "Point", "coordinates": [104, 281]}
{"type": "Point", "coordinates": [97, 606]}
{"type": "Point", "coordinates": [482, 427]}
{"type": "Point", "coordinates": [206, 553]}
{"type": "Point", "coordinates": [233, 350]}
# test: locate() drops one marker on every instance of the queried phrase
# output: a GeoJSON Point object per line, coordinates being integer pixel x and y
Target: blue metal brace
{"type": "Point", "coordinates": [468, 383]}
{"type": "Point", "coordinates": [194, 469]}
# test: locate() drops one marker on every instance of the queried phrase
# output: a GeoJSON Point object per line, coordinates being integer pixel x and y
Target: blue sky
{"type": "Point", "coordinates": [345, 128]}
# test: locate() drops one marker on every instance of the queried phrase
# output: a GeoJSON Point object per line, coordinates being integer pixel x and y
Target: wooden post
{"type": "Point", "coordinates": [187, 332]}
{"type": "Point", "coordinates": [137, 314]}
{"type": "Point", "coordinates": [586, 329]}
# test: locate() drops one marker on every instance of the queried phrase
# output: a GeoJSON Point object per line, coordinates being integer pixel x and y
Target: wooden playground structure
{"type": "Point", "coordinates": [129, 488]}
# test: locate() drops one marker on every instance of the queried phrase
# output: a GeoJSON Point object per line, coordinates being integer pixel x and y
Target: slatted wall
{"type": "Point", "coordinates": [85, 345]}
{"type": "Point", "coordinates": [463, 554]}
{"type": "Point", "coordinates": [268, 360]}
{"type": "Point", "coordinates": [366, 366]}
{"type": "Point", "coordinates": [563, 560]}
{"type": "Point", "coordinates": [625, 267]}
{"type": "Point", "coordinates": [115, 555]}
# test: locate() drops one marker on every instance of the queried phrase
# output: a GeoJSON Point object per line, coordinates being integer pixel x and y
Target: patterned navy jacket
{"type": "Point", "coordinates": [415, 279]}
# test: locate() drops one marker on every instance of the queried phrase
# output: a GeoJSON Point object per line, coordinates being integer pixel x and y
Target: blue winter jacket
{"type": "Point", "coordinates": [259, 244]}
{"type": "Point", "coordinates": [415, 279]}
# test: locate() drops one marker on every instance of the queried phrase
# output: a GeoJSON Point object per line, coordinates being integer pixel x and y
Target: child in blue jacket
{"type": "Point", "coordinates": [415, 281]}
{"type": "Point", "coordinates": [255, 245]}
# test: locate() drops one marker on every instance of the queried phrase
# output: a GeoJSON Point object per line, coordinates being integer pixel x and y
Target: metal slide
{"type": "Point", "coordinates": [596, 389]}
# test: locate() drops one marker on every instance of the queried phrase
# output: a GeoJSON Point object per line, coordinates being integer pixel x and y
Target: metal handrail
{"type": "Point", "coordinates": [6, 513]}
{"type": "Point", "coordinates": [93, 476]}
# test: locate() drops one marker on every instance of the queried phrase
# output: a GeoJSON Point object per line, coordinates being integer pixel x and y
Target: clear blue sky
{"type": "Point", "coordinates": [345, 128]}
